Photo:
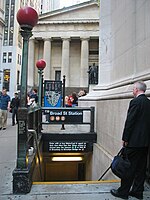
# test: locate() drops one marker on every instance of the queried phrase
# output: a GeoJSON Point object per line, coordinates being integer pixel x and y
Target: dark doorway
{"type": "Point", "coordinates": [64, 171]}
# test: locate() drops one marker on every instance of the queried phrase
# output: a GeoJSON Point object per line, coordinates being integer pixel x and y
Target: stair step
{"type": "Point", "coordinates": [80, 187]}
{"type": "Point", "coordinates": [85, 190]}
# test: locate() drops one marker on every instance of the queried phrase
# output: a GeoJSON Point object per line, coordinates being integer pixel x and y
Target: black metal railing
{"type": "Point", "coordinates": [34, 123]}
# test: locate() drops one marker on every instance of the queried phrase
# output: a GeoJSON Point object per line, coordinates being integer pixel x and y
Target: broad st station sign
{"type": "Point", "coordinates": [72, 142]}
{"type": "Point", "coordinates": [72, 116]}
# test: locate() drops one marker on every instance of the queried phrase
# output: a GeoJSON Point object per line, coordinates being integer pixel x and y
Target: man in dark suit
{"type": "Point", "coordinates": [15, 103]}
{"type": "Point", "coordinates": [136, 139]}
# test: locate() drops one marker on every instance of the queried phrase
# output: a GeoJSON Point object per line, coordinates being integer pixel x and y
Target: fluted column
{"type": "Point", "coordinates": [47, 58]}
{"type": "Point", "coordinates": [31, 55]}
{"type": "Point", "coordinates": [65, 60]}
{"type": "Point", "coordinates": [84, 62]}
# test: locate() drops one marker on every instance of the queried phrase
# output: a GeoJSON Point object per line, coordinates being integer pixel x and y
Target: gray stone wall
{"type": "Point", "coordinates": [124, 59]}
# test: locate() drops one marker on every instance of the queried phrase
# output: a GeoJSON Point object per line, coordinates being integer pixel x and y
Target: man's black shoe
{"type": "Point", "coordinates": [115, 193]}
{"type": "Point", "coordinates": [4, 128]}
{"type": "Point", "coordinates": [136, 195]}
{"type": "Point", "coordinates": [0, 128]}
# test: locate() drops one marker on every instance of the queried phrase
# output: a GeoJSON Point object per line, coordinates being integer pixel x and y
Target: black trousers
{"type": "Point", "coordinates": [14, 114]}
{"type": "Point", "coordinates": [137, 172]}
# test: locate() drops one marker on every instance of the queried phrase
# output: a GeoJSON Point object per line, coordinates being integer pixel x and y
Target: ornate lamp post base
{"type": "Point", "coordinates": [22, 181]}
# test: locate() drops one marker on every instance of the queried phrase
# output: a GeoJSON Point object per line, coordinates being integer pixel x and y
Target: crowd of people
{"type": "Point", "coordinates": [11, 105]}
{"type": "Point", "coordinates": [72, 100]}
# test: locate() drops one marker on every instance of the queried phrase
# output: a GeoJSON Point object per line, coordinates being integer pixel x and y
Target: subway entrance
{"type": "Point", "coordinates": [58, 146]}
{"type": "Point", "coordinates": [60, 167]}
{"type": "Point", "coordinates": [65, 151]}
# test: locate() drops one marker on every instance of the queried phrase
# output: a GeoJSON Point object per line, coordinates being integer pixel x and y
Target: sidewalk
{"type": "Point", "coordinates": [46, 191]}
{"type": "Point", "coordinates": [7, 157]}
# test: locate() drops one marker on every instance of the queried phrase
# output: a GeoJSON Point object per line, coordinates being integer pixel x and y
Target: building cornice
{"type": "Point", "coordinates": [68, 9]}
{"type": "Point", "coordinates": [87, 21]}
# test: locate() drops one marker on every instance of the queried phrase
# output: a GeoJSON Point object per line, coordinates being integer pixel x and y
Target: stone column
{"type": "Point", "coordinates": [65, 60]}
{"type": "Point", "coordinates": [84, 62]}
{"type": "Point", "coordinates": [107, 38]}
{"type": "Point", "coordinates": [31, 64]}
{"type": "Point", "coordinates": [47, 58]}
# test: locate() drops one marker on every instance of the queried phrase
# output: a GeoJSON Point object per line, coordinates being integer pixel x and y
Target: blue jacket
{"type": "Point", "coordinates": [4, 100]}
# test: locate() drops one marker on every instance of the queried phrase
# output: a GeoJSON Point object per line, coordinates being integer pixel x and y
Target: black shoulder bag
{"type": "Point", "coordinates": [120, 165]}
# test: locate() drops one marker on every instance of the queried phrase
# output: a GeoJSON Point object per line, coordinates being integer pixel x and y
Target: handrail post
{"type": "Point", "coordinates": [92, 119]}
{"type": "Point", "coordinates": [64, 80]}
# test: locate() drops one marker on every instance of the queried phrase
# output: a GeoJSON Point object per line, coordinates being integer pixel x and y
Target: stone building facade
{"type": "Point", "coordinates": [68, 40]}
{"type": "Point", "coordinates": [124, 59]}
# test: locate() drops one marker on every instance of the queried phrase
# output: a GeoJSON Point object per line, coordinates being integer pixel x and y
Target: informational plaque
{"type": "Point", "coordinates": [52, 93]}
{"type": "Point", "coordinates": [67, 146]}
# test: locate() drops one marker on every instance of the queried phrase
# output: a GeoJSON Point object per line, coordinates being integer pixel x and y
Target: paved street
{"type": "Point", "coordinates": [86, 191]}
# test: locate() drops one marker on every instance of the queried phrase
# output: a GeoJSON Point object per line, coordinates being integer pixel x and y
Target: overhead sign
{"type": "Point", "coordinates": [52, 93]}
{"type": "Point", "coordinates": [72, 116]}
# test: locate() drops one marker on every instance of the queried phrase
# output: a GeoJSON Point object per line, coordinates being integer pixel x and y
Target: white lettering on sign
{"type": "Point", "coordinates": [70, 113]}
{"type": "Point", "coordinates": [67, 146]}
{"type": "Point", "coordinates": [22, 127]}
{"type": "Point", "coordinates": [65, 113]}
{"type": "Point", "coordinates": [74, 113]}
{"type": "Point", "coordinates": [55, 113]}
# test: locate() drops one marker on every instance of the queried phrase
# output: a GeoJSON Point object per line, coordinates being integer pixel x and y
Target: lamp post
{"type": "Point", "coordinates": [27, 18]}
{"type": "Point", "coordinates": [40, 64]}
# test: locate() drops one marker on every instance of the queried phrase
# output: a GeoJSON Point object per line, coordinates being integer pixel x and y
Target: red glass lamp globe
{"type": "Point", "coordinates": [27, 16]}
{"type": "Point", "coordinates": [41, 64]}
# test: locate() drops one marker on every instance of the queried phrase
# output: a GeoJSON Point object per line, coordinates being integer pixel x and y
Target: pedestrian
{"type": "Point", "coordinates": [136, 139]}
{"type": "Point", "coordinates": [74, 100]}
{"type": "Point", "coordinates": [4, 108]}
{"type": "Point", "coordinates": [69, 100]}
{"type": "Point", "coordinates": [82, 93]}
{"type": "Point", "coordinates": [34, 98]}
{"type": "Point", "coordinates": [15, 103]}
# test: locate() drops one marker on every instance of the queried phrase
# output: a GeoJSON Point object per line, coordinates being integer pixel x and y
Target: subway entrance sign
{"type": "Point", "coordinates": [72, 116]}
{"type": "Point", "coordinates": [74, 139]}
